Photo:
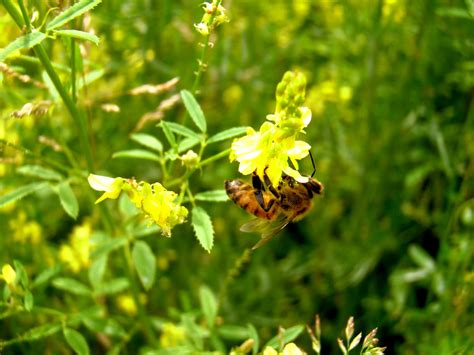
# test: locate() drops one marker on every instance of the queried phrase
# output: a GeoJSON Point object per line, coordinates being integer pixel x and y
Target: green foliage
{"type": "Point", "coordinates": [92, 87]}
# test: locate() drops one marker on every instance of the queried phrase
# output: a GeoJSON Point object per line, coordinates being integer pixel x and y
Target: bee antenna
{"type": "Point", "coordinates": [312, 162]}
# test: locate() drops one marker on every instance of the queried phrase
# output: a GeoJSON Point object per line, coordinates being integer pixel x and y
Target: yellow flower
{"type": "Point", "coordinates": [154, 200]}
{"type": "Point", "coordinates": [269, 351]}
{"type": "Point", "coordinates": [172, 335]}
{"type": "Point", "coordinates": [112, 187]}
{"type": "Point", "coordinates": [127, 304]}
{"type": "Point", "coordinates": [292, 349]}
{"type": "Point", "coordinates": [8, 274]}
{"type": "Point", "coordinates": [76, 253]}
{"type": "Point", "coordinates": [268, 150]}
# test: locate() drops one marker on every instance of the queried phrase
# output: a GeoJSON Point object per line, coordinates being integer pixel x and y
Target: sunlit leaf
{"type": "Point", "coordinates": [72, 12]}
{"type": "Point", "coordinates": [194, 110]}
{"type": "Point", "coordinates": [202, 226]}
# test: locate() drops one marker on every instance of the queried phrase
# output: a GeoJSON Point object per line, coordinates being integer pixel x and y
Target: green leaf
{"type": "Point", "coordinates": [97, 270]}
{"type": "Point", "coordinates": [194, 110]}
{"type": "Point", "coordinates": [89, 78]}
{"type": "Point", "coordinates": [136, 154]}
{"type": "Point", "coordinates": [188, 143]}
{"type": "Point", "coordinates": [208, 305]}
{"type": "Point", "coordinates": [28, 301]}
{"type": "Point", "coordinates": [288, 335]}
{"type": "Point", "coordinates": [183, 130]}
{"type": "Point", "coordinates": [39, 172]}
{"type": "Point", "coordinates": [42, 331]}
{"type": "Point", "coordinates": [145, 263]}
{"type": "Point", "coordinates": [68, 199]}
{"type": "Point", "coordinates": [21, 275]}
{"type": "Point", "coordinates": [212, 195]}
{"type": "Point", "coordinates": [108, 246]}
{"type": "Point", "coordinates": [71, 13]}
{"type": "Point", "coordinates": [421, 257]}
{"type": "Point", "coordinates": [72, 286]}
{"type": "Point", "coordinates": [168, 133]}
{"type": "Point", "coordinates": [112, 287]}
{"type": "Point", "coordinates": [148, 141]}
{"type": "Point", "coordinates": [46, 275]}
{"type": "Point", "coordinates": [228, 133]}
{"type": "Point", "coordinates": [254, 335]}
{"type": "Point", "coordinates": [76, 341]}
{"type": "Point", "coordinates": [202, 226]}
{"type": "Point", "coordinates": [233, 332]}
{"type": "Point", "coordinates": [21, 192]}
{"type": "Point", "coordinates": [27, 41]}
{"type": "Point", "coordinates": [86, 36]}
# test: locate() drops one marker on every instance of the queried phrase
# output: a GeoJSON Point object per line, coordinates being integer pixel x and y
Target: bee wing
{"type": "Point", "coordinates": [268, 229]}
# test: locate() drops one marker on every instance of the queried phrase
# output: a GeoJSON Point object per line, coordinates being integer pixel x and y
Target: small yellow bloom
{"type": "Point", "coordinates": [268, 150]}
{"type": "Point", "coordinates": [269, 351]}
{"type": "Point", "coordinates": [76, 253]}
{"type": "Point", "coordinates": [127, 304]}
{"type": "Point", "coordinates": [292, 349]}
{"type": "Point", "coordinates": [154, 200]}
{"type": "Point", "coordinates": [112, 187]}
{"type": "Point", "coordinates": [172, 335]}
{"type": "Point", "coordinates": [8, 274]}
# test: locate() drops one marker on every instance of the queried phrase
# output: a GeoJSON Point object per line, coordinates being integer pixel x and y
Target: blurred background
{"type": "Point", "coordinates": [390, 86]}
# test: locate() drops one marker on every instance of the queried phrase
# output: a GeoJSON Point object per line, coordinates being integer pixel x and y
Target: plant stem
{"type": "Point", "coordinates": [46, 62]}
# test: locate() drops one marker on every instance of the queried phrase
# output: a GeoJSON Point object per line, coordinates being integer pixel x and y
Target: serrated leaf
{"type": "Point", "coordinates": [112, 287]}
{"type": "Point", "coordinates": [208, 305]}
{"type": "Point", "coordinates": [39, 172]}
{"type": "Point", "coordinates": [71, 13]}
{"type": "Point", "coordinates": [136, 154]}
{"type": "Point", "coordinates": [212, 195]}
{"type": "Point", "coordinates": [72, 286]}
{"type": "Point", "coordinates": [86, 36]}
{"type": "Point", "coordinates": [76, 341]}
{"type": "Point", "coordinates": [188, 143]}
{"type": "Point", "coordinates": [97, 270]}
{"type": "Point", "coordinates": [148, 141]}
{"type": "Point", "coordinates": [288, 335]}
{"type": "Point", "coordinates": [68, 199]}
{"type": "Point", "coordinates": [21, 192]}
{"type": "Point", "coordinates": [145, 263]}
{"type": "Point", "coordinates": [26, 41]}
{"type": "Point", "coordinates": [202, 226]}
{"type": "Point", "coordinates": [194, 110]}
{"type": "Point", "coordinates": [28, 301]}
{"type": "Point", "coordinates": [182, 130]}
{"type": "Point", "coordinates": [227, 134]}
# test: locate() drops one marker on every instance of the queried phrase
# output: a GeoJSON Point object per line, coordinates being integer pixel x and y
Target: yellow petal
{"type": "Point", "coordinates": [8, 274]}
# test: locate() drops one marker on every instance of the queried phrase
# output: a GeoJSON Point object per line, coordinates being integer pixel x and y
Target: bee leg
{"type": "Point", "coordinates": [312, 162]}
{"type": "Point", "coordinates": [269, 184]}
{"type": "Point", "coordinates": [259, 187]}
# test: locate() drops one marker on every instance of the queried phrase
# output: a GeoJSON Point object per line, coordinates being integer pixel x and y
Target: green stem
{"type": "Point", "coordinates": [46, 62]}
{"type": "Point", "coordinates": [218, 156]}
{"type": "Point", "coordinates": [73, 70]}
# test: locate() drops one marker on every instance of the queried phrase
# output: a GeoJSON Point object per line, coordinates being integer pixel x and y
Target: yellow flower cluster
{"type": "Point", "coordinates": [25, 231]}
{"type": "Point", "coordinates": [172, 336]}
{"type": "Point", "coordinates": [153, 200]}
{"type": "Point", "coordinates": [289, 349]}
{"type": "Point", "coordinates": [76, 253]}
{"type": "Point", "coordinates": [326, 92]}
{"type": "Point", "coordinates": [8, 274]}
{"type": "Point", "coordinates": [268, 150]}
{"type": "Point", "coordinates": [214, 15]}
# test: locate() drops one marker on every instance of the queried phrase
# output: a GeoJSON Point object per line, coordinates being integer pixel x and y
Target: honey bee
{"type": "Point", "coordinates": [273, 207]}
